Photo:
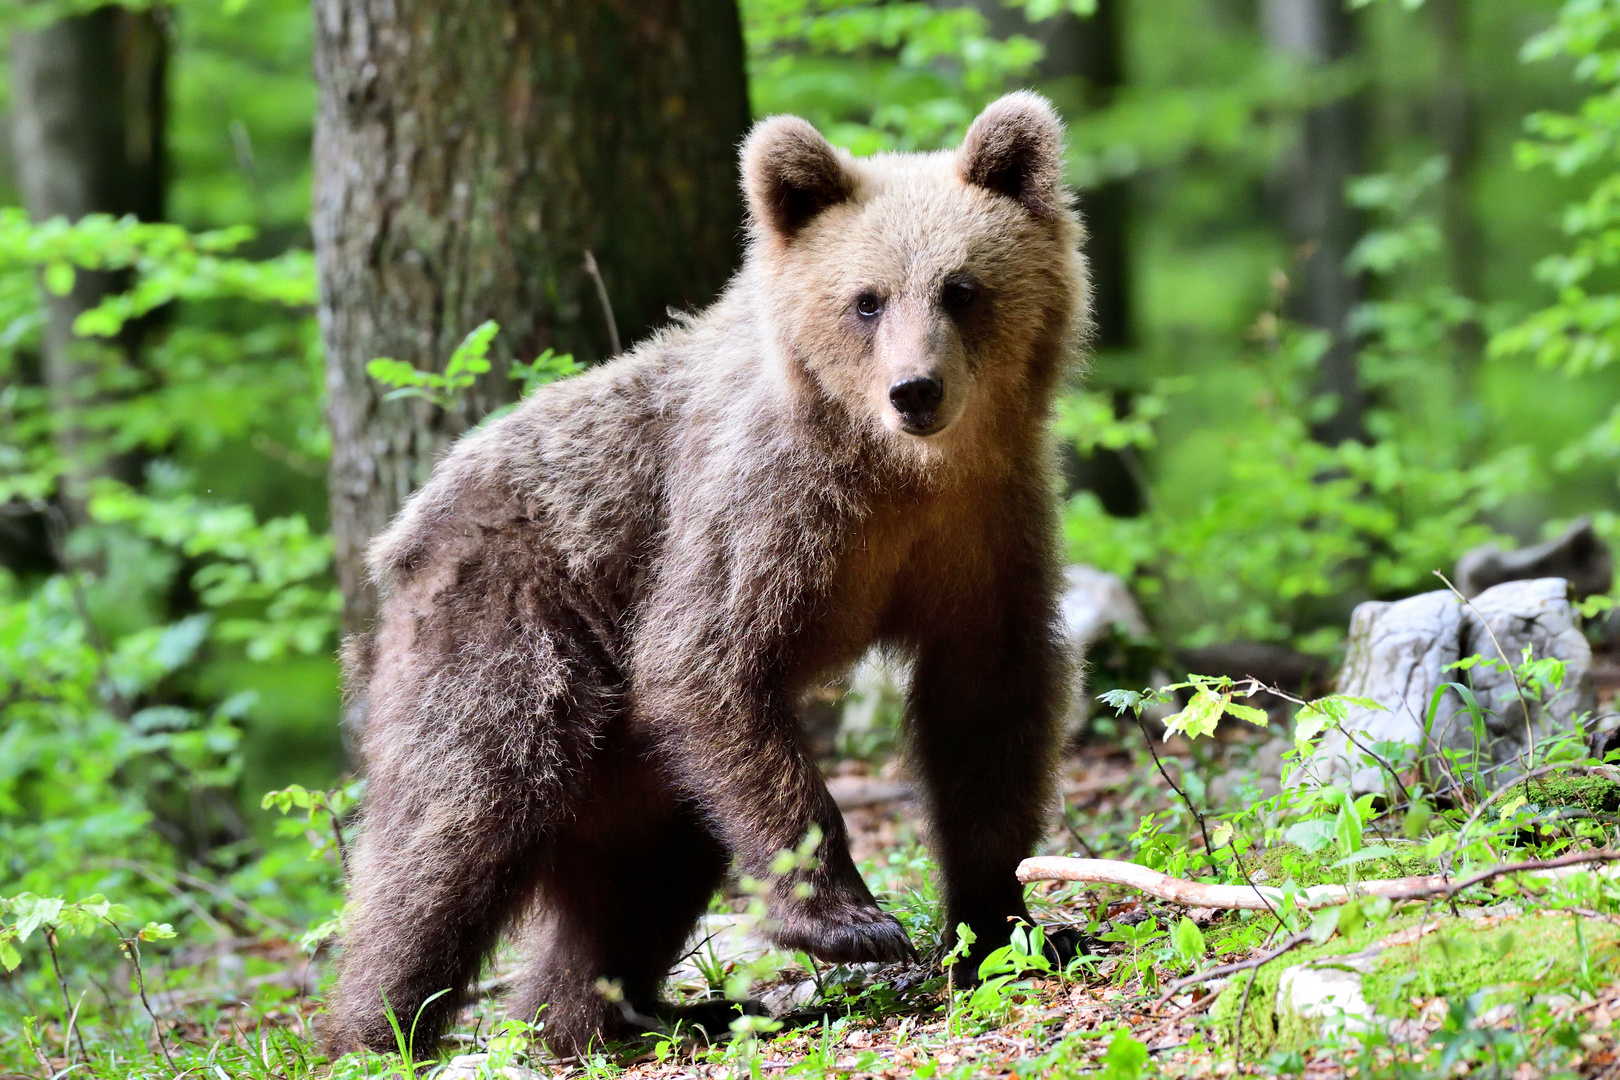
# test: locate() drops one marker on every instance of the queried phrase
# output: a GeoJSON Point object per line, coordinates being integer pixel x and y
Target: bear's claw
{"type": "Point", "coordinates": [866, 935]}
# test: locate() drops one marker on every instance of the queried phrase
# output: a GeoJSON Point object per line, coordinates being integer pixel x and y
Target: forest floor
{"type": "Point", "coordinates": [1493, 984]}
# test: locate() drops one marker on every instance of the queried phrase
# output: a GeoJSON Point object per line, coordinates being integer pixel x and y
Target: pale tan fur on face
{"type": "Point", "coordinates": [884, 237]}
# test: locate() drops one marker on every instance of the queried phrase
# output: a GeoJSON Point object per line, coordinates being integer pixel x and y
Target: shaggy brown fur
{"type": "Point", "coordinates": [602, 607]}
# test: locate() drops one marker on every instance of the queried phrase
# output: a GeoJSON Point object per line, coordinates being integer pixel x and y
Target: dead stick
{"type": "Point", "coordinates": [607, 305]}
{"type": "Point", "coordinates": [1254, 898]}
{"type": "Point", "coordinates": [1237, 966]}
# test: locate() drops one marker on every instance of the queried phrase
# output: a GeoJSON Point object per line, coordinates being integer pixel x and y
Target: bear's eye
{"type": "Point", "coordinates": [868, 305]}
{"type": "Point", "coordinates": [958, 295]}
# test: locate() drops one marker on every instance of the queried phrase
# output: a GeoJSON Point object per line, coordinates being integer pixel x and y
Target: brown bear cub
{"type": "Point", "coordinates": [601, 611]}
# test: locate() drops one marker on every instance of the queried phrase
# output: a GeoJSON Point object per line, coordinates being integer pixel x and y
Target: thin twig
{"type": "Point", "coordinates": [607, 305]}
{"type": "Point", "coordinates": [132, 949]}
{"type": "Point", "coordinates": [68, 1011]}
{"type": "Point", "coordinates": [1433, 747]}
{"type": "Point", "coordinates": [337, 836]}
{"type": "Point", "coordinates": [1255, 686]}
{"type": "Point", "coordinates": [208, 887]}
{"type": "Point", "coordinates": [219, 928]}
{"type": "Point", "coordinates": [1369, 751]}
{"type": "Point", "coordinates": [1223, 970]}
{"type": "Point", "coordinates": [1524, 702]}
{"type": "Point", "coordinates": [1237, 856]}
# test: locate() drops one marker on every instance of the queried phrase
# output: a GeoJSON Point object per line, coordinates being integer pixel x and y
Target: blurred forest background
{"type": "Point", "coordinates": [1356, 312]}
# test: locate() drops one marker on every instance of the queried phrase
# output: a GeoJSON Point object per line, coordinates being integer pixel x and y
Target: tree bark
{"type": "Point", "coordinates": [468, 153]}
{"type": "Point", "coordinates": [87, 122]}
{"type": "Point", "coordinates": [1319, 220]}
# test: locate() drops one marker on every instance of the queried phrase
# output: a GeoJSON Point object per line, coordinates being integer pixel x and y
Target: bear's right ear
{"type": "Point", "coordinates": [791, 174]}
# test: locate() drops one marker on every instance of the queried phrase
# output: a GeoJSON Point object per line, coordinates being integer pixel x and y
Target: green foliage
{"type": "Point", "coordinates": [470, 360]}
{"type": "Point", "coordinates": [1126, 1057]}
{"type": "Point", "coordinates": [1285, 522]}
{"type": "Point", "coordinates": [169, 263]}
{"type": "Point", "coordinates": [880, 76]}
{"type": "Point", "coordinates": [461, 371]}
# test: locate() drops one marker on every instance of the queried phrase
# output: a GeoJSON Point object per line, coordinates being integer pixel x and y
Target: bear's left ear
{"type": "Point", "coordinates": [1015, 148]}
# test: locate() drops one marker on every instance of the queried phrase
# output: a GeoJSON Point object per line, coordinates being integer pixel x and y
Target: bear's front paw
{"type": "Point", "coordinates": [847, 935]}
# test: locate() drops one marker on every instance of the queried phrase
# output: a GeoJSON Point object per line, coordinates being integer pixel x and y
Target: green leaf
{"type": "Point", "coordinates": [59, 278]}
{"type": "Point", "coordinates": [1367, 854]}
{"type": "Point", "coordinates": [1324, 924]}
{"type": "Point", "coordinates": [1595, 605]}
{"type": "Point", "coordinates": [1417, 819]}
{"type": "Point", "coordinates": [1125, 1058]}
{"type": "Point", "coordinates": [1313, 835]}
{"type": "Point", "coordinates": [471, 357]}
{"type": "Point", "coordinates": [1347, 828]}
{"type": "Point", "coordinates": [9, 956]}
{"type": "Point", "coordinates": [397, 373]}
{"type": "Point", "coordinates": [1253, 715]}
{"type": "Point", "coordinates": [1200, 716]}
{"type": "Point", "coordinates": [1188, 941]}
{"type": "Point", "coordinates": [34, 912]}
{"type": "Point", "coordinates": [1309, 722]}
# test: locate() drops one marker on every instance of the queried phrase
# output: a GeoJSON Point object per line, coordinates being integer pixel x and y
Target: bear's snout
{"type": "Point", "coordinates": [916, 398]}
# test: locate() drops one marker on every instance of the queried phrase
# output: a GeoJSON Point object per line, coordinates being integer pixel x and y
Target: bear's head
{"type": "Point", "coordinates": [935, 297]}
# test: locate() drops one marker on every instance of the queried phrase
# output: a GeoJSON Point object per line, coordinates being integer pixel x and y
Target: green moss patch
{"type": "Point", "coordinates": [1518, 957]}
{"type": "Point", "coordinates": [1515, 957]}
{"type": "Point", "coordinates": [1286, 861]}
{"type": "Point", "coordinates": [1595, 793]}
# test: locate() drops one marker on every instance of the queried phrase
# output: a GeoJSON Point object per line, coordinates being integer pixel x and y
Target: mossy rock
{"type": "Point", "coordinates": [1514, 958]}
{"type": "Point", "coordinates": [1597, 794]}
{"type": "Point", "coordinates": [1263, 1029]}
{"type": "Point", "coordinates": [1540, 952]}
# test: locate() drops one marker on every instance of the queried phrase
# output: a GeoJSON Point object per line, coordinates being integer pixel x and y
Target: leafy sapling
{"type": "Point", "coordinates": [51, 916]}
{"type": "Point", "coordinates": [322, 819]}
{"type": "Point", "coordinates": [469, 361]}
{"type": "Point", "coordinates": [1188, 941]}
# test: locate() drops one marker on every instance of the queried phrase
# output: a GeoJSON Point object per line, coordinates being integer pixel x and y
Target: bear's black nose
{"type": "Point", "coordinates": [916, 398]}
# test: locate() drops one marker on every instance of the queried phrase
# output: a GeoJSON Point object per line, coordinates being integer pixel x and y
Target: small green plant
{"type": "Point", "coordinates": [1002, 975]}
{"type": "Point", "coordinates": [322, 820]}
{"type": "Point", "coordinates": [407, 1043]}
{"type": "Point", "coordinates": [444, 389]}
{"type": "Point", "coordinates": [1138, 937]}
{"type": "Point", "coordinates": [1189, 943]}
{"type": "Point", "coordinates": [469, 361]}
{"type": "Point", "coordinates": [52, 916]}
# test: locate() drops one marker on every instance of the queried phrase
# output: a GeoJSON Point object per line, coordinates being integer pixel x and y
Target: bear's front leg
{"type": "Point", "coordinates": [983, 708]}
{"type": "Point", "coordinates": [710, 686]}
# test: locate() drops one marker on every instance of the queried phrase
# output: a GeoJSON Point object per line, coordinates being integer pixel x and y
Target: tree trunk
{"type": "Point", "coordinates": [88, 111]}
{"type": "Point", "coordinates": [1319, 220]}
{"type": "Point", "coordinates": [467, 156]}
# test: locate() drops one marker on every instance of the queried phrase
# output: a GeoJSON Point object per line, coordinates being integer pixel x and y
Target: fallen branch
{"type": "Point", "coordinates": [1259, 898]}
{"type": "Point", "coordinates": [1234, 968]}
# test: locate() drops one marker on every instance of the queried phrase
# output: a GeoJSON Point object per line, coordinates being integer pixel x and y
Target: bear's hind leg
{"type": "Point", "coordinates": [427, 904]}
{"type": "Point", "coordinates": [617, 915]}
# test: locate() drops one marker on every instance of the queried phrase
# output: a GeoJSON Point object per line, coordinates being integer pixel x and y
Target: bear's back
{"type": "Point", "coordinates": [579, 469]}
